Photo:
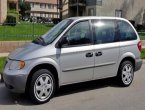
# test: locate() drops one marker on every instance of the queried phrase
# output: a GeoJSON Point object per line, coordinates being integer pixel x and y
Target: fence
{"type": "Point", "coordinates": [22, 31]}
{"type": "Point", "coordinates": [13, 36]}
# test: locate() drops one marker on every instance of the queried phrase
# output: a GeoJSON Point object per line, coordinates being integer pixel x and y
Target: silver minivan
{"type": "Point", "coordinates": [75, 50]}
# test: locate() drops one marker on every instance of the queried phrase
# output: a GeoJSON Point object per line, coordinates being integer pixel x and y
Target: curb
{"type": "Point", "coordinates": [4, 54]}
{"type": "Point", "coordinates": [143, 61]}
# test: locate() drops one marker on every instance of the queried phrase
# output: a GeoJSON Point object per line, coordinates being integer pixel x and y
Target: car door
{"type": "Point", "coordinates": [106, 48]}
{"type": "Point", "coordinates": [76, 58]}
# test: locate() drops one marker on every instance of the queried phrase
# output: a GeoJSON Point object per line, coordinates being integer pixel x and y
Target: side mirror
{"type": "Point", "coordinates": [61, 42]}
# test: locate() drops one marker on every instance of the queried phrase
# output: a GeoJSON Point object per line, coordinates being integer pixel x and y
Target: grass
{"type": "Point", "coordinates": [143, 53]}
{"type": "Point", "coordinates": [142, 35]}
{"type": "Point", "coordinates": [23, 31]}
{"type": "Point", "coordinates": [2, 63]}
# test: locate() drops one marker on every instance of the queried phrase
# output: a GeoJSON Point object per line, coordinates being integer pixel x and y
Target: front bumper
{"type": "Point", "coordinates": [15, 83]}
{"type": "Point", "coordinates": [15, 80]}
{"type": "Point", "coordinates": [138, 64]}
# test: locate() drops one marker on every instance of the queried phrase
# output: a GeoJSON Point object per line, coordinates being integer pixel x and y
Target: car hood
{"type": "Point", "coordinates": [28, 51]}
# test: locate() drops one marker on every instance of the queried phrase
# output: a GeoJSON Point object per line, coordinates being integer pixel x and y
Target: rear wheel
{"type": "Point", "coordinates": [42, 86]}
{"type": "Point", "coordinates": [125, 73]}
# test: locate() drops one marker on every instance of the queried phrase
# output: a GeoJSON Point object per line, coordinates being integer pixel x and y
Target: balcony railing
{"type": "Point", "coordinates": [14, 1]}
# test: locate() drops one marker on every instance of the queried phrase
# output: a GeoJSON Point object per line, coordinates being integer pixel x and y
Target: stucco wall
{"type": "Point", "coordinates": [3, 10]}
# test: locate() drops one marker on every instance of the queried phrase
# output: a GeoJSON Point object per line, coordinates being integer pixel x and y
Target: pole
{"type": "Point", "coordinates": [77, 8]}
{"type": "Point", "coordinates": [57, 8]}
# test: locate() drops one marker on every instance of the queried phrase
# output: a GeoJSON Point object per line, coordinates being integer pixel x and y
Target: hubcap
{"type": "Point", "coordinates": [43, 87]}
{"type": "Point", "coordinates": [127, 74]}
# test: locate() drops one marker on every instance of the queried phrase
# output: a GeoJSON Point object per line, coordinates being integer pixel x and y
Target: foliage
{"type": "Point", "coordinates": [11, 20]}
{"type": "Point", "coordinates": [24, 7]}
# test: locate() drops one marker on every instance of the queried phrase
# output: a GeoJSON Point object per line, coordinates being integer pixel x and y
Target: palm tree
{"type": "Point", "coordinates": [24, 6]}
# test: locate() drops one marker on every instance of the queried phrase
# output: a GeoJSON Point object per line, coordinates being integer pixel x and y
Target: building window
{"type": "Point", "coordinates": [55, 6]}
{"type": "Point", "coordinates": [99, 2]}
{"type": "Point", "coordinates": [41, 15]}
{"type": "Point", "coordinates": [49, 16]}
{"type": "Point", "coordinates": [12, 6]}
{"type": "Point", "coordinates": [43, 6]}
{"type": "Point", "coordinates": [118, 13]}
{"type": "Point", "coordinates": [91, 12]}
{"type": "Point", "coordinates": [49, 6]}
{"type": "Point", "coordinates": [32, 5]}
{"type": "Point", "coordinates": [52, 6]}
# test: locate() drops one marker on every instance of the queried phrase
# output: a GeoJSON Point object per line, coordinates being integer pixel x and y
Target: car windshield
{"type": "Point", "coordinates": [51, 35]}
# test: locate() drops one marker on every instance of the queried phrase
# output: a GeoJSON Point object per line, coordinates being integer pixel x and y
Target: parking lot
{"type": "Point", "coordinates": [95, 95]}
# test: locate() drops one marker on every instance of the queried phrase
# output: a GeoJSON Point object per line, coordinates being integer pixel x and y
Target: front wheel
{"type": "Point", "coordinates": [42, 86]}
{"type": "Point", "coordinates": [125, 73]}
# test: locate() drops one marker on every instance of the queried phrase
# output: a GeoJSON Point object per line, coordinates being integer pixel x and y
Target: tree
{"type": "Point", "coordinates": [24, 7]}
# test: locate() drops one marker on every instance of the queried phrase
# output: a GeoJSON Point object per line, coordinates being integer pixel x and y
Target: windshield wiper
{"type": "Point", "coordinates": [40, 41]}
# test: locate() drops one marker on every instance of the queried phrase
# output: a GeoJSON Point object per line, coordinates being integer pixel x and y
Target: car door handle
{"type": "Point", "coordinates": [90, 54]}
{"type": "Point", "coordinates": [98, 53]}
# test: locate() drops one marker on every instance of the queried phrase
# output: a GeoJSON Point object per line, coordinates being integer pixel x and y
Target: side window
{"type": "Point", "coordinates": [79, 34]}
{"type": "Point", "coordinates": [126, 32]}
{"type": "Point", "coordinates": [104, 31]}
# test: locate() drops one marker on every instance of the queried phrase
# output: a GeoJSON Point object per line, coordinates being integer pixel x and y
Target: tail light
{"type": "Point", "coordinates": [139, 45]}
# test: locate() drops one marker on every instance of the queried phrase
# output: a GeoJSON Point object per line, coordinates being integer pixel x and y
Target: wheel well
{"type": "Point", "coordinates": [129, 59]}
{"type": "Point", "coordinates": [50, 67]}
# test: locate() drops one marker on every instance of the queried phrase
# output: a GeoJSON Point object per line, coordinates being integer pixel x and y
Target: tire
{"type": "Point", "coordinates": [42, 86]}
{"type": "Point", "coordinates": [125, 73]}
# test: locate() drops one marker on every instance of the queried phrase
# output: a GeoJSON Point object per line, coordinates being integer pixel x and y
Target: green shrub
{"type": "Point", "coordinates": [2, 63]}
{"type": "Point", "coordinates": [143, 53]}
{"type": "Point", "coordinates": [11, 20]}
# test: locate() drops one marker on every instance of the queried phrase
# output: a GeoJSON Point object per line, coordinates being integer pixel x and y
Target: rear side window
{"type": "Point", "coordinates": [104, 31]}
{"type": "Point", "coordinates": [126, 32]}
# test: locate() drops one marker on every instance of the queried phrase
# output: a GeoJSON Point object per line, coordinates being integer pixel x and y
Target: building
{"type": "Point", "coordinates": [3, 11]}
{"type": "Point", "coordinates": [44, 8]}
{"type": "Point", "coordinates": [6, 5]}
{"type": "Point", "coordinates": [130, 9]}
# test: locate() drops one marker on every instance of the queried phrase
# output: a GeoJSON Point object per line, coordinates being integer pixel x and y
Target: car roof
{"type": "Point", "coordinates": [96, 17]}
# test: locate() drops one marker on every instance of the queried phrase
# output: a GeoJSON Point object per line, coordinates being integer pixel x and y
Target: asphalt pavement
{"type": "Point", "coordinates": [96, 95]}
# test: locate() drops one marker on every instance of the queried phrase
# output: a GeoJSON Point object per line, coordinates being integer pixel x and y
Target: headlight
{"type": "Point", "coordinates": [17, 65]}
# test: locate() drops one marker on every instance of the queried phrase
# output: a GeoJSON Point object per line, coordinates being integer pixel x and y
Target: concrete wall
{"type": "Point", "coordinates": [131, 9]}
{"type": "Point", "coordinates": [3, 10]}
{"type": "Point", "coordinates": [65, 9]}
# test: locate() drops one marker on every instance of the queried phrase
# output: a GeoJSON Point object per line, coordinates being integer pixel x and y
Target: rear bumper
{"type": "Point", "coordinates": [138, 64]}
